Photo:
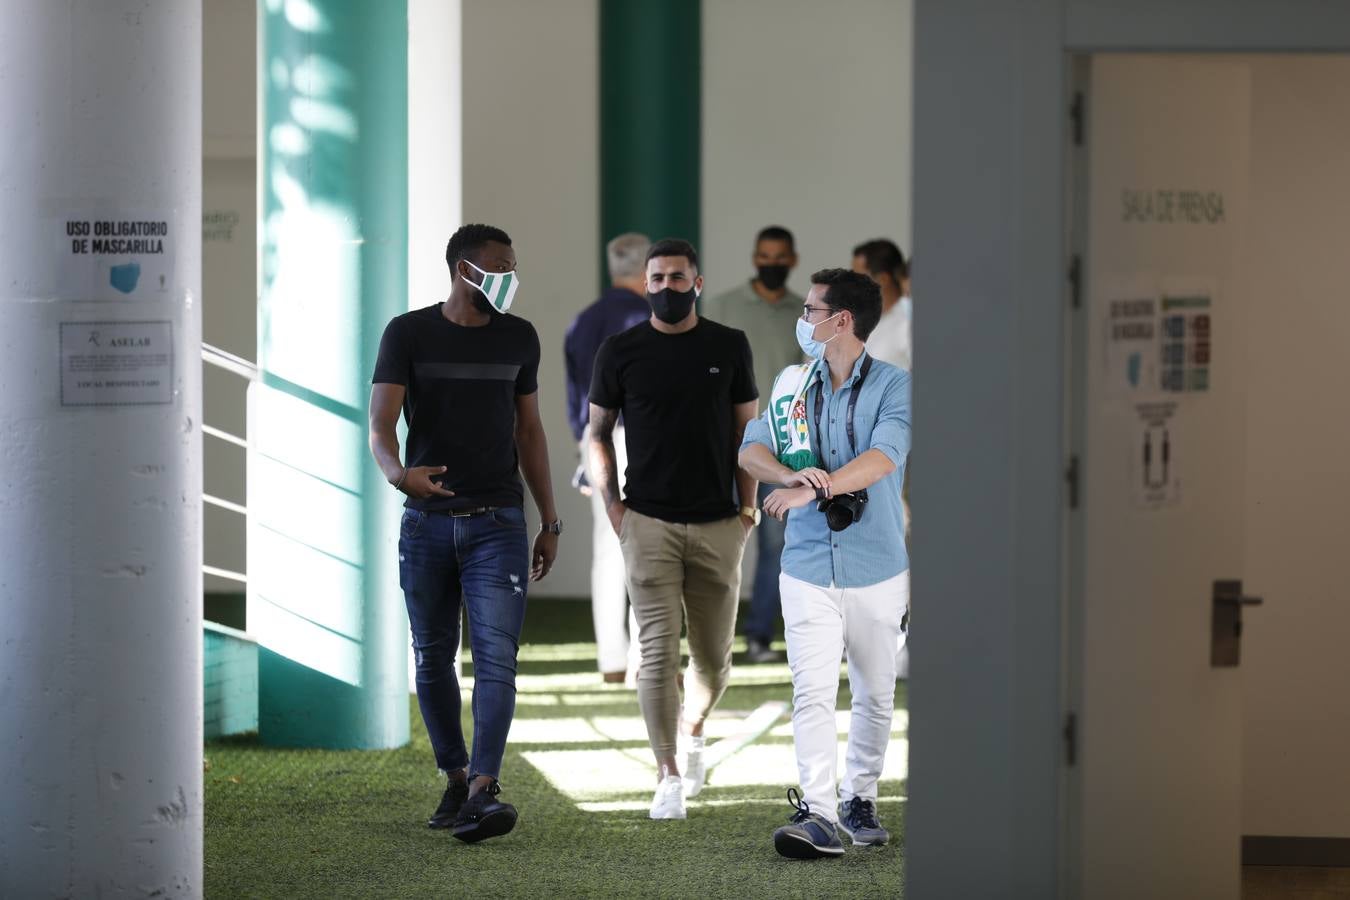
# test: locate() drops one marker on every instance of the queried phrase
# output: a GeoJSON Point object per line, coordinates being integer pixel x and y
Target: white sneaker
{"type": "Point", "coordinates": [669, 800]}
{"type": "Point", "coordinates": [689, 757]}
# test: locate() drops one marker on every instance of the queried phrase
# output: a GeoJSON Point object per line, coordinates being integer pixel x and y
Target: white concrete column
{"type": "Point", "coordinates": [100, 437]}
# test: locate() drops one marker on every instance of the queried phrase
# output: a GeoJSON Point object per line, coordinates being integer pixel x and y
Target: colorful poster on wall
{"type": "Point", "coordinates": [1186, 348]}
{"type": "Point", "coordinates": [1159, 336]}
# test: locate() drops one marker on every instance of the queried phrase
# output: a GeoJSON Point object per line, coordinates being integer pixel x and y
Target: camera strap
{"type": "Point", "coordinates": [852, 402]}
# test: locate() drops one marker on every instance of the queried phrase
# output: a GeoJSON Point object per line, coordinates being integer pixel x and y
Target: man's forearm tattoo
{"type": "Point", "coordinates": [604, 464]}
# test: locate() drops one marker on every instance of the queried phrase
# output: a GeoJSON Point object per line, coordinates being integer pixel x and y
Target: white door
{"type": "Point", "coordinates": [1159, 422]}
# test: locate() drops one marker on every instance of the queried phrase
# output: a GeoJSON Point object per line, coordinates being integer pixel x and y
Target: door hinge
{"type": "Point", "coordinates": [1071, 739]}
{"type": "Point", "coordinates": [1071, 475]}
{"type": "Point", "coordinates": [1076, 115]}
{"type": "Point", "coordinates": [1076, 280]}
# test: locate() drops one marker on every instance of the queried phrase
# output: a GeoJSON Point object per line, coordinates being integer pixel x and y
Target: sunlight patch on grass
{"type": "Point", "coordinates": [899, 724]}
{"type": "Point", "coordinates": [595, 775]}
{"type": "Point", "coordinates": [602, 806]}
{"type": "Point", "coordinates": [578, 731]}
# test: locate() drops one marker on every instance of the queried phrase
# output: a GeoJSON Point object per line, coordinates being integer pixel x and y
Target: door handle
{"type": "Point", "coordinates": [1241, 601]}
{"type": "Point", "coordinates": [1226, 623]}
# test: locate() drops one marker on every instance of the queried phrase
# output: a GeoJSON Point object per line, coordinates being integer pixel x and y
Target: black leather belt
{"type": "Point", "coordinates": [463, 513]}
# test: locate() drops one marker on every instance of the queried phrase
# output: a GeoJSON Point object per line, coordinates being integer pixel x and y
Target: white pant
{"type": "Point", "coordinates": [609, 597]}
{"type": "Point", "coordinates": [821, 622]}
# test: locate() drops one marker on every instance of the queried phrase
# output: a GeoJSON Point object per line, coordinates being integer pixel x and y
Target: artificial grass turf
{"type": "Point", "coordinates": [317, 823]}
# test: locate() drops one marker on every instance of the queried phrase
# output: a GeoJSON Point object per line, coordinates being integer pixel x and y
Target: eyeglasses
{"type": "Point", "coordinates": [808, 309]}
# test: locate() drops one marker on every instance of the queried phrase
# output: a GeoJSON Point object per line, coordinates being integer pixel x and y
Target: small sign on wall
{"type": "Point", "coordinates": [1158, 340]}
{"type": "Point", "coordinates": [115, 256]}
{"type": "Point", "coordinates": [1154, 472]}
{"type": "Point", "coordinates": [116, 363]}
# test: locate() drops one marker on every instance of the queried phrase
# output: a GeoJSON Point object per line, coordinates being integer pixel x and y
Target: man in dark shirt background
{"type": "Point", "coordinates": [464, 374]}
{"type": "Point", "coordinates": [685, 387]}
{"type": "Point", "coordinates": [618, 309]}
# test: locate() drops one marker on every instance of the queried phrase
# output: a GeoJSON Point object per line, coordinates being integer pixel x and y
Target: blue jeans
{"type": "Point", "coordinates": [766, 607]}
{"type": "Point", "coordinates": [485, 560]}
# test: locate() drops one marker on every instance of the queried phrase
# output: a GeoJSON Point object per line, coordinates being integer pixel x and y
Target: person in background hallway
{"type": "Point", "coordinates": [685, 387]}
{"type": "Point", "coordinates": [765, 309]}
{"type": "Point", "coordinates": [891, 342]}
{"type": "Point", "coordinates": [464, 374]}
{"type": "Point", "coordinates": [838, 449]}
{"type": "Point", "coordinates": [618, 309]}
{"type": "Point", "coordinates": [885, 264]}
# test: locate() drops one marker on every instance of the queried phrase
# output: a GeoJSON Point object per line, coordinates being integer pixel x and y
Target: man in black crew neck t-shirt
{"type": "Point", "coordinates": [464, 375]}
{"type": "Point", "coordinates": [686, 388]}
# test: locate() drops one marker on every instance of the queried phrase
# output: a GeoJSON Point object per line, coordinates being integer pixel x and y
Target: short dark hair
{"type": "Point", "coordinates": [855, 292]}
{"type": "Point", "coordinates": [673, 247]}
{"type": "Point", "coordinates": [776, 233]}
{"type": "Point", "coordinates": [468, 239]}
{"type": "Point", "coordinates": [881, 255]}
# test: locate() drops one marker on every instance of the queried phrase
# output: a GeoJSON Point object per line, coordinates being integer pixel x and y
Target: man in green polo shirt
{"type": "Point", "coordinates": [767, 312]}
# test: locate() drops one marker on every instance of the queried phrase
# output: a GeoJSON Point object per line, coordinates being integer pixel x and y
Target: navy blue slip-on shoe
{"type": "Point", "coordinates": [484, 816]}
{"type": "Point", "coordinates": [809, 835]}
{"type": "Point", "coordinates": [456, 792]}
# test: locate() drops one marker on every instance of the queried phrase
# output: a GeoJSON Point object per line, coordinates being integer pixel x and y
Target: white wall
{"type": "Point", "coordinates": [229, 260]}
{"type": "Point", "coordinates": [1295, 668]}
{"type": "Point", "coordinates": [435, 135]}
{"type": "Point", "coordinates": [806, 123]}
{"type": "Point", "coordinates": [531, 166]}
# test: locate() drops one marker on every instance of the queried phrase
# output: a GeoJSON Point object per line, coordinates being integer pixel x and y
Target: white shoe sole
{"type": "Point", "coordinates": [857, 843]}
{"type": "Point", "coordinates": [660, 814]}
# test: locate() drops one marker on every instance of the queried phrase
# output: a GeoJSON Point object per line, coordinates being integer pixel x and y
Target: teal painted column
{"type": "Point", "coordinates": [323, 597]}
{"type": "Point", "coordinates": [650, 118]}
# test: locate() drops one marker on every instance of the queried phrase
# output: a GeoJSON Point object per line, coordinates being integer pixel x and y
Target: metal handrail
{"type": "Point", "coordinates": [236, 365]}
{"type": "Point", "coordinates": [223, 359]}
{"type": "Point", "coordinates": [225, 504]}
{"type": "Point", "coordinates": [225, 436]}
{"type": "Point", "coordinates": [225, 573]}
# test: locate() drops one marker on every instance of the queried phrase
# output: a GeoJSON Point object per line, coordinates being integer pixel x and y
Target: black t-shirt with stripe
{"type": "Point", "coordinates": [460, 404]}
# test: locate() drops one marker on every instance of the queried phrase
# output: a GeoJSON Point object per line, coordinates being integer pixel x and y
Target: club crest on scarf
{"type": "Point", "coordinates": [787, 416]}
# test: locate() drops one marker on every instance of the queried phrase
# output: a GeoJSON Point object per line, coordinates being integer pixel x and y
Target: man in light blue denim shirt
{"type": "Point", "coordinates": [845, 580]}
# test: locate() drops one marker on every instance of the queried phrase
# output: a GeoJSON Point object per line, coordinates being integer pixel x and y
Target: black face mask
{"type": "Point", "coordinates": [671, 306]}
{"type": "Point", "coordinates": [773, 277]}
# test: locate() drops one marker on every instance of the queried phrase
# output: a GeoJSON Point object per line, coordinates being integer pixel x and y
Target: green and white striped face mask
{"type": "Point", "coordinates": [498, 287]}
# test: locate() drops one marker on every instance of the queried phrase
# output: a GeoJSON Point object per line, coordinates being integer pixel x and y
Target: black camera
{"type": "Point", "coordinates": [843, 510]}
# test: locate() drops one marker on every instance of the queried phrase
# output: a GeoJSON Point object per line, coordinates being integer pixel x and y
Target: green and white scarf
{"type": "Point", "coordinates": [787, 416]}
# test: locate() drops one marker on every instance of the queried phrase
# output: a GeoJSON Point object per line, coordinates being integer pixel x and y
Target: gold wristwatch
{"type": "Point", "coordinates": [751, 513]}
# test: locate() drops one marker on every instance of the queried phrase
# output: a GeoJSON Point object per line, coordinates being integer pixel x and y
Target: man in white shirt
{"type": "Point", "coordinates": [891, 341]}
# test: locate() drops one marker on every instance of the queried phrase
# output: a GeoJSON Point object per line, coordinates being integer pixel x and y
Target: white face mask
{"type": "Point", "coordinates": [806, 336]}
{"type": "Point", "coordinates": [498, 287]}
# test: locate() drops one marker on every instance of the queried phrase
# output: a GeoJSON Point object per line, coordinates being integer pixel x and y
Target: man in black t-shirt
{"type": "Point", "coordinates": [464, 375]}
{"type": "Point", "coordinates": [686, 389]}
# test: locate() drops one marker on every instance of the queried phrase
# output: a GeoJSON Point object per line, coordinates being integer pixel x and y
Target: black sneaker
{"type": "Point", "coordinates": [484, 816]}
{"type": "Point", "coordinates": [456, 792]}
{"type": "Point", "coordinates": [809, 836]}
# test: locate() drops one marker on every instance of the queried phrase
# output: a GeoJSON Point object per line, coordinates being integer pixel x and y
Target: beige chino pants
{"type": "Point", "coordinates": [690, 572]}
